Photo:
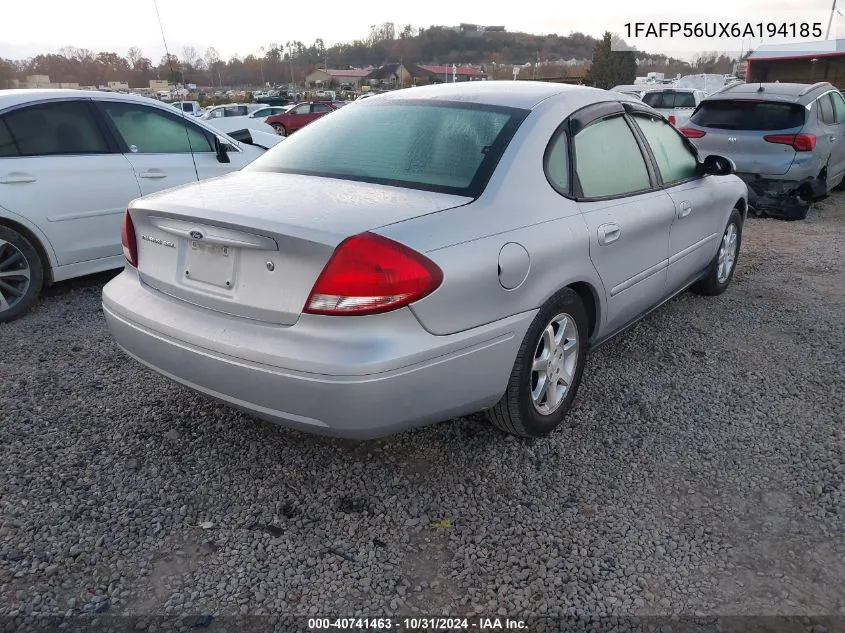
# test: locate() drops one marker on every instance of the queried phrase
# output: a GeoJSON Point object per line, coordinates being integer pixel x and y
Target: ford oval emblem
{"type": "Point", "coordinates": [196, 235]}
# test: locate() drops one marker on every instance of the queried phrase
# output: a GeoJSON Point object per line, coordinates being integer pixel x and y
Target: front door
{"type": "Point", "coordinates": [701, 205]}
{"type": "Point", "coordinates": [627, 217]}
{"type": "Point", "coordinates": [165, 149]}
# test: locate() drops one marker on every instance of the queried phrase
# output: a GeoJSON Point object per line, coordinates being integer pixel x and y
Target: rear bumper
{"type": "Point", "coordinates": [780, 197]}
{"type": "Point", "coordinates": [356, 377]}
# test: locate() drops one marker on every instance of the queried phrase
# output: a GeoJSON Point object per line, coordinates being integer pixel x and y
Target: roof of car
{"type": "Point", "coordinates": [794, 93]}
{"type": "Point", "coordinates": [17, 96]}
{"type": "Point", "coordinates": [514, 94]}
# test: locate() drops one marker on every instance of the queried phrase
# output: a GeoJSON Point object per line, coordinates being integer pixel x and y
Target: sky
{"type": "Point", "coordinates": [242, 28]}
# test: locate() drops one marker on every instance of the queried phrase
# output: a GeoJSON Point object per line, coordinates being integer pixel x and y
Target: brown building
{"type": "Point", "coordinates": [804, 63]}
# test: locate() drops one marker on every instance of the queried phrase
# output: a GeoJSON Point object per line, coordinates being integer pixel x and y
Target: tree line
{"type": "Point", "coordinates": [281, 63]}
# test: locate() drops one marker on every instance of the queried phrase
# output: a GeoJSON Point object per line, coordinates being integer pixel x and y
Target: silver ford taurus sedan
{"type": "Point", "coordinates": [424, 254]}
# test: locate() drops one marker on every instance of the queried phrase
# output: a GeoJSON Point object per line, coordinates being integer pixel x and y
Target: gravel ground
{"type": "Point", "coordinates": [703, 473]}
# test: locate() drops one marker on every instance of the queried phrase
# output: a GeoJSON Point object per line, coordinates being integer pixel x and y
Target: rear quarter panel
{"type": "Point", "coordinates": [518, 206]}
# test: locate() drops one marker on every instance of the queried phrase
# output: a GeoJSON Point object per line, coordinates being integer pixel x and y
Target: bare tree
{"type": "Point", "coordinates": [212, 59]}
{"type": "Point", "coordinates": [134, 55]}
{"type": "Point", "coordinates": [190, 56]}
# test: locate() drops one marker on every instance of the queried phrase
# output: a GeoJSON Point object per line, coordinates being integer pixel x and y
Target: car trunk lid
{"type": "Point", "coordinates": [737, 129]}
{"type": "Point", "coordinates": [253, 244]}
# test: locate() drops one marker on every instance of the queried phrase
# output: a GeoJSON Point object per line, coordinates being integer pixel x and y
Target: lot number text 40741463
{"type": "Point", "coordinates": [723, 29]}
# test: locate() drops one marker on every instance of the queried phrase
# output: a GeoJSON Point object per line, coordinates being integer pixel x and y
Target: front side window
{"type": "Point", "coordinates": [153, 131]}
{"type": "Point", "coordinates": [216, 113]}
{"type": "Point", "coordinates": [65, 127]}
{"type": "Point", "coordinates": [301, 109]}
{"type": "Point", "coordinates": [433, 146]}
{"type": "Point", "coordinates": [838, 107]}
{"type": "Point", "coordinates": [675, 161]}
{"type": "Point", "coordinates": [608, 161]}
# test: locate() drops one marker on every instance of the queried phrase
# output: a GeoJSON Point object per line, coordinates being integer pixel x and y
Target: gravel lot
{"type": "Point", "coordinates": [703, 473]}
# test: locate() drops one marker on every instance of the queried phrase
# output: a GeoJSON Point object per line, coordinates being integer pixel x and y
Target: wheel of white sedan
{"type": "Point", "coordinates": [547, 370]}
{"type": "Point", "coordinates": [21, 274]}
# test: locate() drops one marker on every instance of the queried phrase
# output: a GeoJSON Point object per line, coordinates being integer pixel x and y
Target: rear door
{"type": "Point", "coordinates": [701, 207]}
{"type": "Point", "coordinates": [165, 149]}
{"type": "Point", "coordinates": [834, 125]}
{"type": "Point", "coordinates": [628, 217]}
{"type": "Point", "coordinates": [60, 169]}
{"type": "Point", "coordinates": [737, 129]}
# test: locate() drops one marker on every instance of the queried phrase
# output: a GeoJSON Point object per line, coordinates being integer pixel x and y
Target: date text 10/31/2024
{"type": "Point", "coordinates": [417, 624]}
{"type": "Point", "coordinates": [723, 29]}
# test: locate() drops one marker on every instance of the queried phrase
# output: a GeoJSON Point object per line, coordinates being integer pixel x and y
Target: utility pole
{"type": "Point", "coordinates": [290, 57]}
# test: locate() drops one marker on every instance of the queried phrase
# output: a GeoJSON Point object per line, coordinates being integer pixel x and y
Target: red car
{"type": "Point", "coordinates": [299, 116]}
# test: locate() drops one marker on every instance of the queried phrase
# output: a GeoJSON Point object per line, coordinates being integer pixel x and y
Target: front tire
{"type": "Point", "coordinates": [280, 129]}
{"type": "Point", "coordinates": [21, 274]}
{"type": "Point", "coordinates": [547, 371]}
{"type": "Point", "coordinates": [722, 268]}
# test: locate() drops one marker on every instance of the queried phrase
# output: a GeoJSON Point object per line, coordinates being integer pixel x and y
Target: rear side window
{"type": "Point", "coordinates": [608, 161]}
{"type": "Point", "coordinates": [669, 99]}
{"type": "Point", "coordinates": [838, 107]}
{"type": "Point", "coordinates": [826, 110]}
{"type": "Point", "coordinates": [65, 127]}
{"type": "Point", "coordinates": [557, 162]}
{"type": "Point", "coordinates": [431, 146]}
{"type": "Point", "coordinates": [748, 115]}
{"type": "Point", "coordinates": [8, 146]}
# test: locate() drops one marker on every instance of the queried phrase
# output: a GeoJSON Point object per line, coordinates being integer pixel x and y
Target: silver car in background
{"type": "Point", "coordinates": [787, 141]}
{"type": "Point", "coordinates": [460, 250]}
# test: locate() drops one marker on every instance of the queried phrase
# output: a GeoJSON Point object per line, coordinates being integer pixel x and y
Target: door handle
{"type": "Point", "coordinates": [153, 173]}
{"type": "Point", "coordinates": [16, 177]}
{"type": "Point", "coordinates": [684, 209]}
{"type": "Point", "coordinates": [609, 233]}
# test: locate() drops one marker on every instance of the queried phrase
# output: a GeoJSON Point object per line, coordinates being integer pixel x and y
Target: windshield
{"type": "Point", "coordinates": [436, 146]}
{"type": "Point", "coordinates": [667, 99]}
{"type": "Point", "coordinates": [748, 115]}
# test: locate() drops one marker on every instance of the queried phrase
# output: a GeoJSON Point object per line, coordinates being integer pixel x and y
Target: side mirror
{"type": "Point", "coordinates": [221, 148]}
{"type": "Point", "coordinates": [715, 165]}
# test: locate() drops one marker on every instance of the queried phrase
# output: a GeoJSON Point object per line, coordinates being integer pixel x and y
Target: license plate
{"type": "Point", "coordinates": [212, 264]}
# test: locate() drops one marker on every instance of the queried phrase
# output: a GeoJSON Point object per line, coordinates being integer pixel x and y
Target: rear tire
{"type": "Point", "coordinates": [21, 274]}
{"type": "Point", "coordinates": [547, 372]}
{"type": "Point", "coordinates": [722, 267]}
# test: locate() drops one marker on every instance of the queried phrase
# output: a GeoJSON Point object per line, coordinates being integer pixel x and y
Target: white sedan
{"type": "Point", "coordinates": [235, 117]}
{"type": "Point", "coordinates": [70, 163]}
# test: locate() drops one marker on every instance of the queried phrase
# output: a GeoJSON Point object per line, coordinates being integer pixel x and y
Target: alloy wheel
{"type": "Point", "coordinates": [554, 364]}
{"type": "Point", "coordinates": [727, 253]}
{"type": "Point", "coordinates": [14, 275]}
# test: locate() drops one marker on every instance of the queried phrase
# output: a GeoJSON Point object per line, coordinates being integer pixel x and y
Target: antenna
{"type": "Point", "coordinates": [173, 74]}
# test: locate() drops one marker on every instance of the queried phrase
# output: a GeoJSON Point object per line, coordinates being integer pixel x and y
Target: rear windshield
{"type": "Point", "coordinates": [670, 99]}
{"type": "Point", "coordinates": [748, 115]}
{"type": "Point", "coordinates": [436, 146]}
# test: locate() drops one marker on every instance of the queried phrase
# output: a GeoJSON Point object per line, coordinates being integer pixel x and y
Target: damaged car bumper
{"type": "Point", "coordinates": [786, 199]}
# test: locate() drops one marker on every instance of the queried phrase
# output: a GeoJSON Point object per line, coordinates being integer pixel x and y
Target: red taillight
{"type": "Point", "coordinates": [672, 119]}
{"type": "Point", "coordinates": [368, 273]}
{"type": "Point", "coordinates": [127, 238]}
{"type": "Point", "coordinates": [799, 142]}
{"type": "Point", "coordinates": [690, 132]}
